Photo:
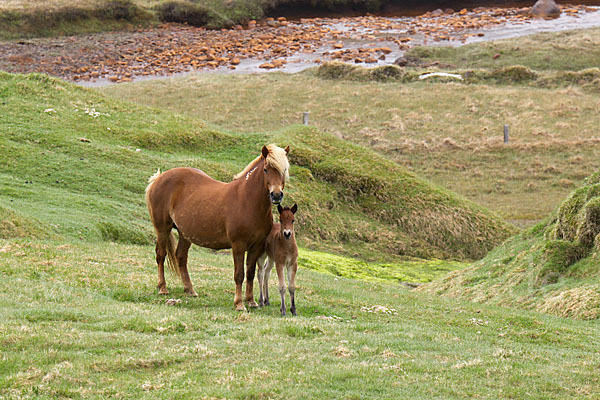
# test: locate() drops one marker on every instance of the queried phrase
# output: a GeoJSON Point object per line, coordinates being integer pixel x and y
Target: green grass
{"type": "Point", "coordinates": [364, 207]}
{"type": "Point", "coordinates": [450, 133]}
{"type": "Point", "coordinates": [550, 51]}
{"type": "Point", "coordinates": [409, 271]}
{"type": "Point", "coordinates": [552, 267]}
{"type": "Point", "coordinates": [82, 320]}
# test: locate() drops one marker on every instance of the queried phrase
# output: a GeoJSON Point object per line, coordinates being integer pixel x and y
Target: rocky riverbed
{"type": "Point", "coordinates": [273, 44]}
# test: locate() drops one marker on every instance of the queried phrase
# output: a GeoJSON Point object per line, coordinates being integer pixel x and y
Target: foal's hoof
{"type": "Point", "coordinates": [191, 292]}
{"type": "Point", "coordinates": [163, 291]}
{"type": "Point", "coordinates": [240, 307]}
{"type": "Point", "coordinates": [252, 304]}
{"type": "Point", "coordinates": [293, 310]}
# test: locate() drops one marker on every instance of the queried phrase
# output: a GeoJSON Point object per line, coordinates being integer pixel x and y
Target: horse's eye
{"type": "Point", "coordinates": [265, 170]}
{"type": "Point", "coordinates": [293, 221]}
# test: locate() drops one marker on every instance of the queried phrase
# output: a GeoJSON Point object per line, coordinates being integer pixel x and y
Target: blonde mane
{"type": "Point", "coordinates": [277, 158]}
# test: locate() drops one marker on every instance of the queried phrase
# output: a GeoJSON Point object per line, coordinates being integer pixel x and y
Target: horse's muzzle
{"type": "Point", "coordinates": [276, 198]}
{"type": "Point", "coordinates": [287, 234]}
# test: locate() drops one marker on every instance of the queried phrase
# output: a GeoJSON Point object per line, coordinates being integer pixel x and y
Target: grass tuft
{"type": "Point", "coordinates": [552, 267]}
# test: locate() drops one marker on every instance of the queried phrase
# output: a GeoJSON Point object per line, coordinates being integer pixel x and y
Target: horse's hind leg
{"type": "Point", "coordinates": [268, 268]}
{"type": "Point", "coordinates": [261, 278]}
{"type": "Point", "coordinates": [161, 252]}
{"type": "Point", "coordinates": [183, 246]}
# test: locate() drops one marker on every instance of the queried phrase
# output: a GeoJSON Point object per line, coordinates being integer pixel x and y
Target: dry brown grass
{"type": "Point", "coordinates": [449, 133]}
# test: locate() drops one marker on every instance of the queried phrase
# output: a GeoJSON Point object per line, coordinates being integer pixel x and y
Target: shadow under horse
{"type": "Point", "coordinates": [217, 215]}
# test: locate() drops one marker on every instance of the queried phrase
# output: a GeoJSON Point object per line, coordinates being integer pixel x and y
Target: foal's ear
{"type": "Point", "coordinates": [265, 152]}
{"type": "Point", "coordinates": [294, 208]}
{"type": "Point", "coordinates": [287, 149]}
{"type": "Point", "coordinates": [279, 208]}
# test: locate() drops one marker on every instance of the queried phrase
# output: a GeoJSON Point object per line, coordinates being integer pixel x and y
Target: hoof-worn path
{"type": "Point", "coordinates": [271, 44]}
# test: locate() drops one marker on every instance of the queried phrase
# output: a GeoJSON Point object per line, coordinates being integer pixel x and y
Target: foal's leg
{"type": "Point", "coordinates": [238, 251]}
{"type": "Point", "coordinates": [253, 255]}
{"type": "Point", "coordinates": [291, 278]}
{"type": "Point", "coordinates": [182, 256]}
{"type": "Point", "coordinates": [162, 242]}
{"type": "Point", "coordinates": [281, 286]}
{"type": "Point", "coordinates": [261, 278]}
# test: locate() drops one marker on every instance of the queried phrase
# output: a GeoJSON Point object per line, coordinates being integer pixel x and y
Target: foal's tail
{"type": "Point", "coordinates": [172, 263]}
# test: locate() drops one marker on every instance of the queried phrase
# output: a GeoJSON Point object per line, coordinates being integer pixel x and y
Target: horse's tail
{"type": "Point", "coordinates": [151, 181]}
{"type": "Point", "coordinates": [172, 263]}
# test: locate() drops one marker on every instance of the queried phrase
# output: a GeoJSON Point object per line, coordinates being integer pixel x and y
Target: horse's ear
{"type": "Point", "coordinates": [287, 149]}
{"type": "Point", "coordinates": [265, 152]}
{"type": "Point", "coordinates": [279, 208]}
{"type": "Point", "coordinates": [294, 208]}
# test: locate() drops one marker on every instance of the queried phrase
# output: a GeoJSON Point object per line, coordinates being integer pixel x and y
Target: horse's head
{"type": "Point", "coordinates": [276, 168]}
{"type": "Point", "coordinates": [286, 219]}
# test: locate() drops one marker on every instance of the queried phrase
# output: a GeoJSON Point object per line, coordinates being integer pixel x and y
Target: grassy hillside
{"type": "Point", "coordinates": [78, 165]}
{"type": "Point", "coordinates": [553, 267]}
{"type": "Point", "coordinates": [451, 133]}
{"type": "Point", "coordinates": [549, 51]}
{"type": "Point", "coordinates": [26, 18]}
{"type": "Point", "coordinates": [81, 320]}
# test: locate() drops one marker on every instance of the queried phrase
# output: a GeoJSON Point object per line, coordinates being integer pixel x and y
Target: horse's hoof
{"type": "Point", "coordinates": [191, 292]}
{"type": "Point", "coordinates": [252, 304]}
{"type": "Point", "coordinates": [283, 312]}
{"type": "Point", "coordinates": [240, 307]}
{"type": "Point", "coordinates": [267, 303]}
{"type": "Point", "coordinates": [293, 310]}
{"type": "Point", "coordinates": [163, 291]}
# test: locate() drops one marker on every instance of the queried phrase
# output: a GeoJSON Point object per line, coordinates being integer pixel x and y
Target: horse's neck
{"type": "Point", "coordinates": [253, 190]}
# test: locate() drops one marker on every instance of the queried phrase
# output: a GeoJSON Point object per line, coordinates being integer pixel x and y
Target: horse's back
{"type": "Point", "coordinates": [195, 203]}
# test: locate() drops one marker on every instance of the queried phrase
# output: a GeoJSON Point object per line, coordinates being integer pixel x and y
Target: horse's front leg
{"type": "Point", "coordinates": [238, 251]}
{"type": "Point", "coordinates": [281, 286]}
{"type": "Point", "coordinates": [253, 255]}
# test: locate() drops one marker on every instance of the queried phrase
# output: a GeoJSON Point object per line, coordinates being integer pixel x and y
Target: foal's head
{"type": "Point", "coordinates": [276, 167]}
{"type": "Point", "coordinates": [286, 219]}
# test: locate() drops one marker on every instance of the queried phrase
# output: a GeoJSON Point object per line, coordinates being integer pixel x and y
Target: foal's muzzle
{"type": "Point", "coordinates": [276, 198]}
{"type": "Point", "coordinates": [287, 234]}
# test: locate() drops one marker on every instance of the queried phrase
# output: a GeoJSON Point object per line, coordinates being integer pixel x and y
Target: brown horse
{"type": "Point", "coordinates": [280, 250]}
{"type": "Point", "coordinates": [217, 215]}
